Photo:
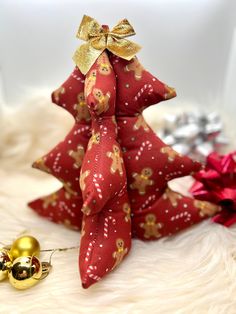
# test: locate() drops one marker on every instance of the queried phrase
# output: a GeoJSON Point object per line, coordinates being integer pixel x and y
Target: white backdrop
{"type": "Point", "coordinates": [186, 43]}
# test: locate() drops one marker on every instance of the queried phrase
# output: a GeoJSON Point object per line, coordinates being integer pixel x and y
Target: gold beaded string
{"type": "Point", "coordinates": [60, 249]}
{"type": "Point", "coordinates": [48, 265]}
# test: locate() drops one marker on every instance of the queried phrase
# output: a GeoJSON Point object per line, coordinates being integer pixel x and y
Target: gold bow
{"type": "Point", "coordinates": [100, 38]}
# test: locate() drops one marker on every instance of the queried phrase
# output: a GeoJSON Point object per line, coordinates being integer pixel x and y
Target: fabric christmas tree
{"type": "Point", "coordinates": [115, 93]}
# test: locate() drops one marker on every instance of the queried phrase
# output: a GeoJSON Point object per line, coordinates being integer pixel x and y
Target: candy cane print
{"type": "Point", "coordinates": [142, 90]}
{"type": "Point", "coordinates": [97, 185]}
{"type": "Point", "coordinates": [106, 221]}
{"type": "Point", "coordinates": [145, 144]}
{"type": "Point", "coordinates": [55, 166]}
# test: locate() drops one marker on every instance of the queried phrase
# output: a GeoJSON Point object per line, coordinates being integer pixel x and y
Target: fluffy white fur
{"type": "Point", "coordinates": [192, 272]}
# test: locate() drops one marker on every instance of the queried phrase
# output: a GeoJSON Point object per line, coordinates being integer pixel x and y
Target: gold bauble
{"type": "Point", "coordinates": [25, 272]}
{"type": "Point", "coordinates": [25, 246]}
{"type": "Point", "coordinates": [5, 263]}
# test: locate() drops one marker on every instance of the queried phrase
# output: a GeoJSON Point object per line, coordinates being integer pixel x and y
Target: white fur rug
{"type": "Point", "coordinates": [192, 272]}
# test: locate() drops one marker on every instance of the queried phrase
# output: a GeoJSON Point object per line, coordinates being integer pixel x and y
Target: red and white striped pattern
{"type": "Point", "coordinates": [78, 78]}
{"type": "Point", "coordinates": [82, 129]}
{"type": "Point", "coordinates": [97, 185]}
{"type": "Point", "coordinates": [150, 199]}
{"type": "Point", "coordinates": [63, 207]}
{"type": "Point", "coordinates": [90, 274]}
{"type": "Point", "coordinates": [89, 251]}
{"type": "Point", "coordinates": [106, 222]}
{"type": "Point", "coordinates": [142, 90]}
{"type": "Point", "coordinates": [145, 144]}
{"type": "Point", "coordinates": [123, 190]}
{"type": "Point", "coordinates": [55, 166]}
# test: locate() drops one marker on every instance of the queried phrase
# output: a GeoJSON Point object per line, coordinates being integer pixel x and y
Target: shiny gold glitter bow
{"type": "Point", "coordinates": [100, 38]}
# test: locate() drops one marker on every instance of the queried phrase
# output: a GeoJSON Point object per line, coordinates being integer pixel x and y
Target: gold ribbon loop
{"type": "Point", "coordinates": [100, 38]}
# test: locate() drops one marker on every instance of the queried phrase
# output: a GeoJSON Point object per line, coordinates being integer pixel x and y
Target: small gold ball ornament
{"type": "Point", "coordinates": [25, 272]}
{"type": "Point", "coordinates": [25, 246]}
{"type": "Point", "coordinates": [5, 263]}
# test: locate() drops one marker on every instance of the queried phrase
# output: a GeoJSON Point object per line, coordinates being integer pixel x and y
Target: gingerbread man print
{"type": "Point", "coordinates": [81, 108]}
{"type": "Point", "coordinates": [67, 223]}
{"type": "Point", "coordinates": [56, 94]}
{"type": "Point", "coordinates": [127, 210]}
{"type": "Point", "coordinates": [170, 92]}
{"type": "Point", "coordinates": [68, 190]}
{"type": "Point", "coordinates": [50, 200]}
{"type": "Point", "coordinates": [77, 155]}
{"type": "Point", "coordinates": [150, 227]}
{"type": "Point", "coordinates": [206, 208]}
{"type": "Point", "coordinates": [103, 100]}
{"type": "Point", "coordinates": [90, 82]}
{"type": "Point", "coordinates": [119, 254]}
{"type": "Point", "coordinates": [117, 161]}
{"type": "Point", "coordinates": [41, 165]}
{"type": "Point", "coordinates": [140, 123]}
{"type": "Point", "coordinates": [104, 66]}
{"type": "Point", "coordinates": [172, 196]}
{"type": "Point", "coordinates": [136, 67]}
{"type": "Point", "coordinates": [172, 154]}
{"type": "Point", "coordinates": [95, 139]}
{"type": "Point", "coordinates": [142, 180]}
{"type": "Point", "coordinates": [86, 210]}
{"type": "Point", "coordinates": [83, 176]}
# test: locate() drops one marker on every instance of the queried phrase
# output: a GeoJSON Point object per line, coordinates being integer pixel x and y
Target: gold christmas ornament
{"type": "Point", "coordinates": [5, 263]}
{"type": "Point", "coordinates": [20, 263]}
{"type": "Point", "coordinates": [26, 271]}
{"type": "Point", "coordinates": [25, 245]}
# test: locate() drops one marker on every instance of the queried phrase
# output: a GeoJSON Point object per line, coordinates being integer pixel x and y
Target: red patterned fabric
{"type": "Point", "coordinates": [149, 163]}
{"type": "Point", "coordinates": [60, 208]}
{"type": "Point", "coordinates": [64, 160]}
{"type": "Point", "coordinates": [115, 92]}
{"type": "Point", "coordinates": [106, 234]}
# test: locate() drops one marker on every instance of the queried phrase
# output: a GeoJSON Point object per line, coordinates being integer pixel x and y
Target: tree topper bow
{"type": "Point", "coordinates": [100, 38]}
